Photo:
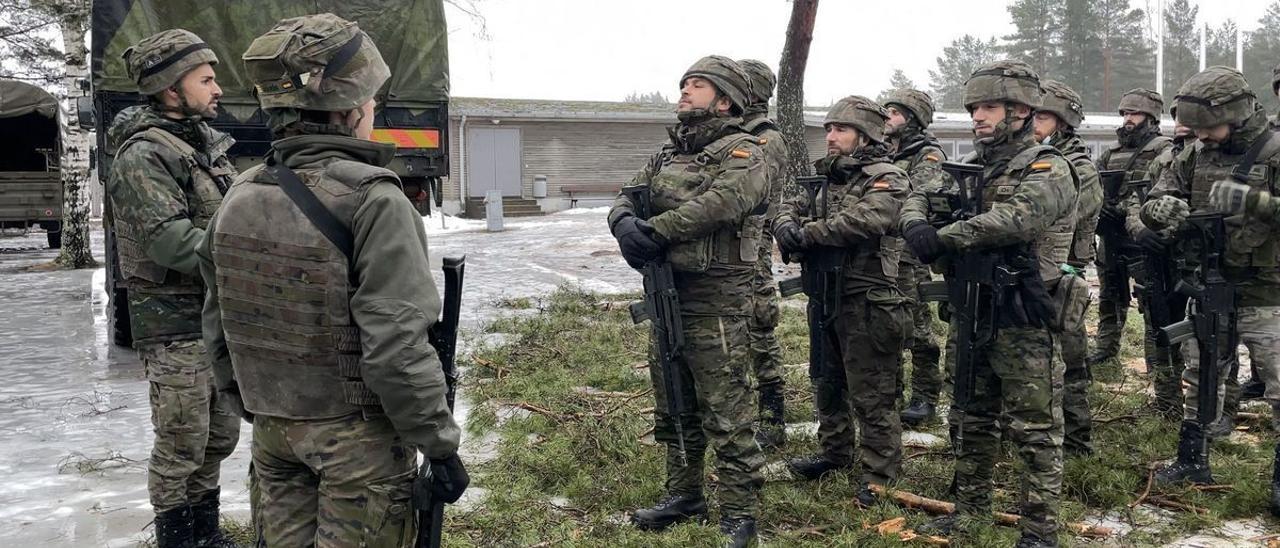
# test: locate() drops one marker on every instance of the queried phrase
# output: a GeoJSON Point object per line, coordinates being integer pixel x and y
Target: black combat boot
{"type": "Point", "coordinates": [1192, 463]}
{"type": "Point", "coordinates": [772, 433]}
{"type": "Point", "coordinates": [941, 526]}
{"type": "Point", "coordinates": [1254, 389]}
{"type": "Point", "coordinates": [1099, 357]}
{"type": "Point", "coordinates": [1029, 540]}
{"type": "Point", "coordinates": [866, 497]}
{"type": "Point", "coordinates": [669, 511]}
{"type": "Point", "coordinates": [204, 523]}
{"type": "Point", "coordinates": [741, 532]}
{"type": "Point", "coordinates": [1275, 483]}
{"type": "Point", "coordinates": [918, 413]}
{"type": "Point", "coordinates": [813, 467]}
{"type": "Point", "coordinates": [173, 528]}
{"type": "Point", "coordinates": [1221, 428]}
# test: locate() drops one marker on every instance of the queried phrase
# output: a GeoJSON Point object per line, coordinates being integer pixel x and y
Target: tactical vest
{"type": "Point", "coordinates": [204, 190]}
{"type": "Point", "coordinates": [765, 132]}
{"type": "Point", "coordinates": [1251, 244]}
{"type": "Point", "coordinates": [679, 178]}
{"type": "Point", "coordinates": [906, 164]}
{"type": "Point", "coordinates": [1134, 161]}
{"type": "Point", "coordinates": [876, 259]}
{"type": "Point", "coordinates": [1083, 246]}
{"type": "Point", "coordinates": [1054, 244]}
{"type": "Point", "coordinates": [285, 293]}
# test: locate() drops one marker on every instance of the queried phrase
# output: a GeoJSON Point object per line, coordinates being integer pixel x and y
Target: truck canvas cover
{"type": "Point", "coordinates": [411, 34]}
{"type": "Point", "coordinates": [18, 99]}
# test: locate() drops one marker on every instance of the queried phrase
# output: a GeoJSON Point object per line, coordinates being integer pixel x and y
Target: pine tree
{"type": "Point", "coordinates": [965, 55]}
{"type": "Point", "coordinates": [1076, 42]}
{"type": "Point", "coordinates": [1181, 44]}
{"type": "Point", "coordinates": [1032, 42]}
{"type": "Point", "coordinates": [1125, 59]}
{"type": "Point", "coordinates": [1261, 53]}
{"type": "Point", "coordinates": [899, 80]}
{"type": "Point", "coordinates": [1220, 48]}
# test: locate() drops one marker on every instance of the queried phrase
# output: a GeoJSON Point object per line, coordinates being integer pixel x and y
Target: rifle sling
{"type": "Point", "coordinates": [319, 215]}
{"type": "Point", "coordinates": [1242, 169]}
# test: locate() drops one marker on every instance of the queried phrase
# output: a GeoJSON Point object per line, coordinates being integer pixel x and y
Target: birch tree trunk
{"type": "Point", "coordinates": [76, 145]}
{"type": "Point", "coordinates": [795, 56]}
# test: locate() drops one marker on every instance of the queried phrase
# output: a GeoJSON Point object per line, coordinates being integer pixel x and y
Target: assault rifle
{"type": "Point", "coordinates": [821, 279]}
{"type": "Point", "coordinates": [977, 282]}
{"type": "Point", "coordinates": [444, 338]}
{"type": "Point", "coordinates": [1213, 321]}
{"type": "Point", "coordinates": [661, 307]}
{"type": "Point", "coordinates": [1155, 276]}
{"type": "Point", "coordinates": [1115, 239]}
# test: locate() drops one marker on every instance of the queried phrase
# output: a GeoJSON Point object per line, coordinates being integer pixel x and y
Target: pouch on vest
{"type": "Point", "coordinates": [1071, 299]}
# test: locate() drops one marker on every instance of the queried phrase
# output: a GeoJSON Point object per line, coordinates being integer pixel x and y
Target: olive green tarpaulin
{"type": "Point", "coordinates": [411, 34]}
{"type": "Point", "coordinates": [18, 98]}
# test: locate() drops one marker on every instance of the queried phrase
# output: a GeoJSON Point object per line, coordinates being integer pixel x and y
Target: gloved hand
{"type": "Point", "coordinates": [636, 241]}
{"type": "Point", "coordinates": [1235, 198]}
{"type": "Point", "coordinates": [1165, 212]}
{"type": "Point", "coordinates": [923, 241]}
{"type": "Point", "coordinates": [1152, 242]}
{"type": "Point", "coordinates": [1112, 216]}
{"type": "Point", "coordinates": [790, 238]}
{"type": "Point", "coordinates": [440, 480]}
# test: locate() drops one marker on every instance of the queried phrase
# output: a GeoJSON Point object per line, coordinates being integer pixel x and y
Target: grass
{"type": "Point", "coordinates": [566, 394]}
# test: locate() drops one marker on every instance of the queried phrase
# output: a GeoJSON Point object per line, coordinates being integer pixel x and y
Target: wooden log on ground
{"type": "Point", "coordinates": [935, 506]}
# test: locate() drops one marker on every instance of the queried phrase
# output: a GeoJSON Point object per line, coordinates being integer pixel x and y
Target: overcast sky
{"type": "Point", "coordinates": [606, 49]}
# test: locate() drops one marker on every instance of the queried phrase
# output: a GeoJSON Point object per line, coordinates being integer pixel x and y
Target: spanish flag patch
{"type": "Point", "coordinates": [740, 154]}
{"type": "Point", "coordinates": [880, 185]}
{"type": "Point", "coordinates": [764, 142]}
{"type": "Point", "coordinates": [932, 157]}
{"type": "Point", "coordinates": [1041, 166]}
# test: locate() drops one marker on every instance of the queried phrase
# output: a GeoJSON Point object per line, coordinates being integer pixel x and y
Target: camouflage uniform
{"type": "Point", "coordinates": [1065, 103]}
{"type": "Point", "coordinates": [1030, 198]}
{"type": "Point", "coordinates": [707, 184]}
{"type": "Point", "coordinates": [1220, 95]}
{"type": "Point", "coordinates": [167, 180]}
{"type": "Point", "coordinates": [328, 353]}
{"type": "Point", "coordinates": [1131, 154]}
{"type": "Point", "coordinates": [766, 354]}
{"type": "Point", "coordinates": [917, 152]}
{"type": "Point", "coordinates": [856, 212]}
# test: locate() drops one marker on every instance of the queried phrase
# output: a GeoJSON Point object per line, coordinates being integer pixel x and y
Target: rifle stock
{"type": "Point", "coordinates": [1116, 240]}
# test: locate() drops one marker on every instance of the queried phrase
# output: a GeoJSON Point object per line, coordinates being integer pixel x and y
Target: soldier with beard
{"type": "Point", "coordinates": [1028, 215]}
{"type": "Point", "coordinates": [1234, 141]}
{"type": "Point", "coordinates": [916, 151]}
{"type": "Point", "coordinates": [1140, 142]}
{"type": "Point", "coordinates": [707, 185]}
{"type": "Point", "coordinates": [1055, 124]}
{"type": "Point", "coordinates": [856, 212]}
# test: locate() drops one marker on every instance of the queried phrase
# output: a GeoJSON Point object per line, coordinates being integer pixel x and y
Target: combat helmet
{"type": "Point", "coordinates": [315, 62]}
{"type": "Point", "coordinates": [1063, 102]}
{"type": "Point", "coordinates": [160, 60]}
{"type": "Point", "coordinates": [1142, 100]}
{"type": "Point", "coordinates": [1003, 81]}
{"type": "Point", "coordinates": [917, 102]}
{"type": "Point", "coordinates": [726, 75]}
{"type": "Point", "coordinates": [762, 80]}
{"type": "Point", "coordinates": [1217, 95]}
{"type": "Point", "coordinates": [865, 115]}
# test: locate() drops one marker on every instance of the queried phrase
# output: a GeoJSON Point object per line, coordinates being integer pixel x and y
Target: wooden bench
{"type": "Point", "coordinates": [574, 191]}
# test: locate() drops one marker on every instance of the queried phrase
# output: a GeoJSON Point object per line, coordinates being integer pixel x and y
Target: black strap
{"type": "Point", "coordinates": [316, 212]}
{"type": "Point", "coordinates": [173, 58]}
{"type": "Point", "coordinates": [1242, 169]}
{"type": "Point", "coordinates": [343, 56]}
{"type": "Point", "coordinates": [1137, 151]}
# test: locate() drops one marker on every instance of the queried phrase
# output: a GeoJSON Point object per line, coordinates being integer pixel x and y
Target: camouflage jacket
{"type": "Point", "coordinates": [285, 277]}
{"type": "Point", "coordinates": [166, 182]}
{"type": "Point", "coordinates": [921, 156]}
{"type": "Point", "coordinates": [709, 196]}
{"type": "Point", "coordinates": [1088, 204]}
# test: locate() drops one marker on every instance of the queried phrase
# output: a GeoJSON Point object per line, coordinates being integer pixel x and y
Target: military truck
{"type": "Point", "coordinates": [30, 181]}
{"type": "Point", "coordinates": [412, 107]}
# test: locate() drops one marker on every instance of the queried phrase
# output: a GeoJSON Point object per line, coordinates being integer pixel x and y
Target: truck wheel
{"type": "Point", "coordinates": [53, 232]}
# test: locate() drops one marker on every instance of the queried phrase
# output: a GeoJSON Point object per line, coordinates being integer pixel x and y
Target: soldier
{"type": "Point", "coordinates": [766, 354]}
{"type": "Point", "coordinates": [1233, 136]}
{"type": "Point", "coordinates": [855, 212]}
{"type": "Point", "coordinates": [1139, 143]}
{"type": "Point", "coordinates": [1028, 215]}
{"type": "Point", "coordinates": [322, 345]}
{"type": "Point", "coordinates": [917, 151]}
{"type": "Point", "coordinates": [167, 180]}
{"type": "Point", "coordinates": [1055, 124]}
{"type": "Point", "coordinates": [708, 185]}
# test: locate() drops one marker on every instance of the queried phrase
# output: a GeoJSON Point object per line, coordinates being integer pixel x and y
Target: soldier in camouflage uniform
{"type": "Point", "coordinates": [856, 212]}
{"type": "Point", "coordinates": [1055, 123]}
{"type": "Point", "coordinates": [766, 354]}
{"type": "Point", "coordinates": [917, 152]}
{"type": "Point", "coordinates": [1029, 202]}
{"type": "Point", "coordinates": [1233, 136]}
{"type": "Point", "coordinates": [1139, 143]}
{"type": "Point", "coordinates": [327, 352]}
{"type": "Point", "coordinates": [709, 184]}
{"type": "Point", "coordinates": [167, 180]}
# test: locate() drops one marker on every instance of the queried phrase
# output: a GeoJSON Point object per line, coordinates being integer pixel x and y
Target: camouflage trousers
{"type": "Point", "coordinates": [857, 388]}
{"type": "Point", "coordinates": [1258, 329]}
{"type": "Point", "coordinates": [1072, 348]}
{"type": "Point", "coordinates": [926, 371]}
{"type": "Point", "coordinates": [1165, 365]}
{"type": "Point", "coordinates": [333, 482]}
{"type": "Point", "coordinates": [718, 399]}
{"type": "Point", "coordinates": [1019, 384]}
{"type": "Point", "coordinates": [194, 432]}
{"type": "Point", "coordinates": [766, 354]}
{"type": "Point", "coordinates": [1111, 315]}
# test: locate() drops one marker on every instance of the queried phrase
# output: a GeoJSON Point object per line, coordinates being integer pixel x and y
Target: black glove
{"type": "Point", "coordinates": [1152, 242]}
{"type": "Point", "coordinates": [636, 241]}
{"type": "Point", "coordinates": [789, 237]}
{"type": "Point", "coordinates": [440, 480]}
{"type": "Point", "coordinates": [923, 241]}
{"type": "Point", "coordinates": [1112, 216]}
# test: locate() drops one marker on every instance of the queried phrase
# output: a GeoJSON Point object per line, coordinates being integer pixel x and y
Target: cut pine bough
{"type": "Point", "coordinates": [935, 506]}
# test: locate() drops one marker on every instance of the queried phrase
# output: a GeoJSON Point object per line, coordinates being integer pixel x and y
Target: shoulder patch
{"type": "Point", "coordinates": [1041, 165]}
{"type": "Point", "coordinates": [764, 141]}
{"type": "Point", "coordinates": [739, 153]}
{"type": "Point", "coordinates": [933, 157]}
{"type": "Point", "coordinates": [880, 185]}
